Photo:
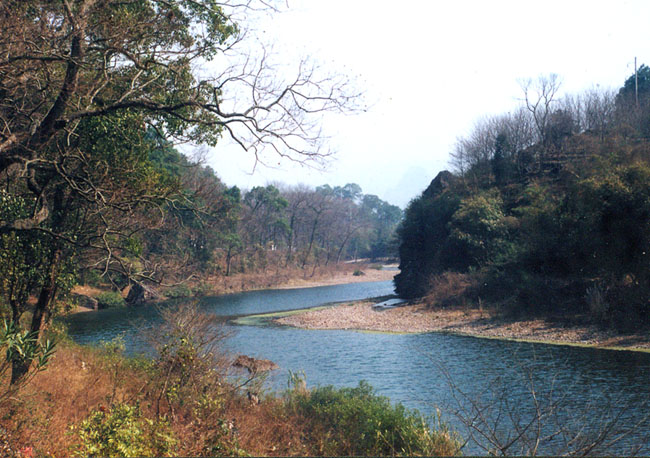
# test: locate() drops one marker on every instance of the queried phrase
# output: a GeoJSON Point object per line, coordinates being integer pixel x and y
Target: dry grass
{"type": "Point", "coordinates": [87, 290]}
{"type": "Point", "coordinates": [66, 409]}
{"type": "Point", "coordinates": [76, 382]}
{"type": "Point", "coordinates": [295, 277]}
{"type": "Point", "coordinates": [267, 429]}
{"type": "Point", "coordinates": [449, 289]}
{"type": "Point", "coordinates": [184, 389]}
{"type": "Point", "coordinates": [82, 379]}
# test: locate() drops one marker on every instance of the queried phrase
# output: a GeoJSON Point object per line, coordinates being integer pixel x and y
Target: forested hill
{"type": "Point", "coordinates": [223, 231]}
{"type": "Point", "coordinates": [547, 209]}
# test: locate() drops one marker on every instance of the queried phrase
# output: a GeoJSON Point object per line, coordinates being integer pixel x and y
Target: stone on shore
{"type": "Point", "coordinates": [253, 365]}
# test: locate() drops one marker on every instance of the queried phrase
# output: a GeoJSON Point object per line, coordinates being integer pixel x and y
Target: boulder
{"type": "Point", "coordinates": [85, 301]}
{"type": "Point", "coordinates": [441, 182]}
{"type": "Point", "coordinates": [254, 366]}
{"type": "Point", "coordinates": [138, 294]}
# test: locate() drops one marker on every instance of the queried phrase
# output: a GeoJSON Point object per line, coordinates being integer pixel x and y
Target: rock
{"type": "Point", "coordinates": [253, 398]}
{"type": "Point", "coordinates": [390, 304]}
{"type": "Point", "coordinates": [254, 366]}
{"type": "Point", "coordinates": [85, 301]}
{"type": "Point", "coordinates": [139, 294]}
{"type": "Point", "coordinates": [441, 182]}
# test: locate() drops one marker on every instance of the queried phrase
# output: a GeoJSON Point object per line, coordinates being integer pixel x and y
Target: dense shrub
{"type": "Point", "coordinates": [539, 246]}
{"type": "Point", "coordinates": [450, 289]}
{"type": "Point", "coordinates": [110, 299]}
{"type": "Point", "coordinates": [179, 291]}
{"type": "Point", "coordinates": [123, 431]}
{"type": "Point", "coordinates": [356, 421]}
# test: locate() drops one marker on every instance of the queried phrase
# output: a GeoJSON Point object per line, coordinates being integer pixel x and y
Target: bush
{"type": "Point", "coordinates": [355, 421]}
{"type": "Point", "coordinates": [450, 288]}
{"type": "Point", "coordinates": [595, 296]}
{"type": "Point", "coordinates": [123, 431]}
{"type": "Point", "coordinates": [91, 277]}
{"type": "Point", "coordinates": [358, 273]}
{"type": "Point", "coordinates": [110, 299]}
{"type": "Point", "coordinates": [179, 291]}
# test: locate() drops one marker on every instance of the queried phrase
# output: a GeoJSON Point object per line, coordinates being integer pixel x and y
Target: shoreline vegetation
{"type": "Point", "coordinates": [417, 316]}
{"type": "Point", "coordinates": [286, 279]}
{"type": "Point", "coordinates": [196, 399]}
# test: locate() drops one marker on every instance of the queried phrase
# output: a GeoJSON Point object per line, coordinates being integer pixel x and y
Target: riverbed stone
{"type": "Point", "coordinates": [85, 301]}
{"type": "Point", "coordinates": [253, 365]}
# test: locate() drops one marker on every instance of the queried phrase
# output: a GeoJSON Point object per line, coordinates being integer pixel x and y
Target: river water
{"type": "Point", "coordinates": [590, 387]}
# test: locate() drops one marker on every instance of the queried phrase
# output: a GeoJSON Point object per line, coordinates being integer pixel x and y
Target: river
{"type": "Point", "coordinates": [591, 386]}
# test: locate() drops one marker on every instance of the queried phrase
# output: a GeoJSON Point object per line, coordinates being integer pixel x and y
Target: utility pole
{"type": "Point", "coordinates": [636, 84]}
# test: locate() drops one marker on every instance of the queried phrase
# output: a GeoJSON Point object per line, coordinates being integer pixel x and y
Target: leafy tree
{"type": "Point", "coordinates": [633, 102]}
{"type": "Point", "coordinates": [264, 220]}
{"type": "Point", "coordinates": [424, 235]}
{"type": "Point", "coordinates": [640, 80]}
{"type": "Point", "coordinates": [478, 229]}
{"type": "Point", "coordinates": [82, 85]}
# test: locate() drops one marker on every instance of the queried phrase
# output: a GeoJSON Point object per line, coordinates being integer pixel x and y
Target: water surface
{"type": "Point", "coordinates": [416, 369]}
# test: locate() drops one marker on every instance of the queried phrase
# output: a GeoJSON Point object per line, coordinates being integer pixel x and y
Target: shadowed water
{"type": "Point", "coordinates": [415, 369]}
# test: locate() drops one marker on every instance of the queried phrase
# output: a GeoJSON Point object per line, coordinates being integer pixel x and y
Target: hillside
{"type": "Point", "coordinates": [547, 212]}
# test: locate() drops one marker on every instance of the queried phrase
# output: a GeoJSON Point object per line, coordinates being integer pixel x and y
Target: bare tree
{"type": "Point", "coordinates": [540, 97]}
{"type": "Point", "coordinates": [476, 151]}
{"type": "Point", "coordinates": [600, 108]}
{"type": "Point", "coordinates": [541, 419]}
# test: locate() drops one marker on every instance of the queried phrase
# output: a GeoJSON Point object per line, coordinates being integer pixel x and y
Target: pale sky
{"type": "Point", "coordinates": [430, 70]}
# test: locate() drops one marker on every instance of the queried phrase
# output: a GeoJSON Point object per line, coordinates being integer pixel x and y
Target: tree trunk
{"type": "Point", "coordinates": [228, 260]}
{"type": "Point", "coordinates": [20, 366]}
{"type": "Point", "coordinates": [290, 242]}
{"type": "Point", "coordinates": [311, 240]}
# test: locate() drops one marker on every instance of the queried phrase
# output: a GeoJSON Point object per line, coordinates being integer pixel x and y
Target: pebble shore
{"type": "Point", "coordinates": [418, 318]}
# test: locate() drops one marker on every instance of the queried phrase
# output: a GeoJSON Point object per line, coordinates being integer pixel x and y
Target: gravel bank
{"type": "Point", "coordinates": [417, 318]}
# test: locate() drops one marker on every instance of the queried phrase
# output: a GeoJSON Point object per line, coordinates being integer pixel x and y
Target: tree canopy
{"type": "Point", "coordinates": [93, 96]}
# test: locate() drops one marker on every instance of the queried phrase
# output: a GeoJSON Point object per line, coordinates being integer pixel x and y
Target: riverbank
{"type": "Point", "coordinates": [279, 279]}
{"type": "Point", "coordinates": [95, 401]}
{"type": "Point", "coordinates": [368, 273]}
{"type": "Point", "coordinates": [486, 323]}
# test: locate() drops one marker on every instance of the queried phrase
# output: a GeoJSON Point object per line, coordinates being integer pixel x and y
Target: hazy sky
{"type": "Point", "coordinates": [430, 70]}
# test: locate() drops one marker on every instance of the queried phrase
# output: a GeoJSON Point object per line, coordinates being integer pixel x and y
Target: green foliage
{"type": "Point", "coordinates": [356, 421]}
{"type": "Point", "coordinates": [358, 273]}
{"type": "Point", "coordinates": [110, 299]}
{"type": "Point", "coordinates": [90, 277]}
{"type": "Point", "coordinates": [20, 345]}
{"type": "Point", "coordinates": [478, 229]}
{"type": "Point", "coordinates": [383, 218]}
{"type": "Point", "coordinates": [122, 431]}
{"type": "Point", "coordinates": [641, 79]}
{"type": "Point", "coordinates": [425, 249]}
{"type": "Point", "coordinates": [24, 259]}
{"type": "Point", "coordinates": [179, 291]}
{"type": "Point", "coordinates": [557, 226]}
